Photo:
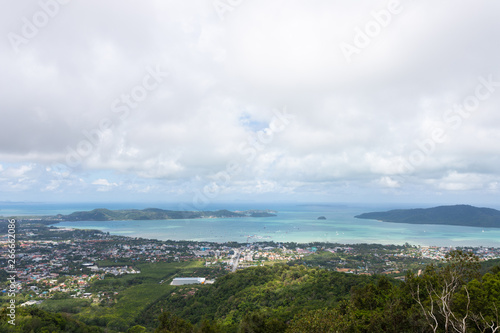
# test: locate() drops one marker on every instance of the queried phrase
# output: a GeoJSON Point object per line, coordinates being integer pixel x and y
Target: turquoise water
{"type": "Point", "coordinates": [294, 223]}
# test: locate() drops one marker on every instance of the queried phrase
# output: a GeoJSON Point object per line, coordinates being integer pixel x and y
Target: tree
{"type": "Point", "coordinates": [484, 298]}
{"type": "Point", "coordinates": [436, 289]}
{"type": "Point", "coordinates": [261, 322]}
{"type": "Point", "coordinates": [208, 327]}
{"type": "Point", "coordinates": [136, 329]}
{"type": "Point", "coordinates": [317, 321]}
{"type": "Point", "coordinates": [173, 324]}
{"type": "Point", "coordinates": [61, 279]}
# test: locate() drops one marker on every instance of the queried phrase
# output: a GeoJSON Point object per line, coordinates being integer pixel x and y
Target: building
{"type": "Point", "coordinates": [28, 303]}
{"type": "Point", "coordinates": [187, 280]}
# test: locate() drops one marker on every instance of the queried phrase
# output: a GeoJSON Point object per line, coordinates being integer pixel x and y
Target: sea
{"type": "Point", "coordinates": [294, 222]}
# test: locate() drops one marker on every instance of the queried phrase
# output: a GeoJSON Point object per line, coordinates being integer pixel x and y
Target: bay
{"type": "Point", "coordinates": [297, 223]}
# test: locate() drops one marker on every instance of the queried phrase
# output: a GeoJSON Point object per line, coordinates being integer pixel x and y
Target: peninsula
{"type": "Point", "coordinates": [103, 214]}
{"type": "Point", "coordinates": [462, 215]}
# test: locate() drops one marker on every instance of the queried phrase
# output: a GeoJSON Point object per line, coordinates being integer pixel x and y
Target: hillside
{"type": "Point", "coordinates": [277, 293]}
{"type": "Point", "coordinates": [297, 299]}
{"type": "Point", "coordinates": [102, 214]}
{"type": "Point", "coordinates": [463, 215]}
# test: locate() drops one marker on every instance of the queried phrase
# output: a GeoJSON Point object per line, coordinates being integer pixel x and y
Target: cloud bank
{"type": "Point", "coordinates": [379, 100]}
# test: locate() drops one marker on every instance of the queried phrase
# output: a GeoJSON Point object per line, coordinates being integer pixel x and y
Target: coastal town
{"type": "Point", "coordinates": [53, 261]}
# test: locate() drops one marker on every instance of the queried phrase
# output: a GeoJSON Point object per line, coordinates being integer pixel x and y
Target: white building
{"type": "Point", "coordinates": [28, 303]}
{"type": "Point", "coordinates": [188, 280]}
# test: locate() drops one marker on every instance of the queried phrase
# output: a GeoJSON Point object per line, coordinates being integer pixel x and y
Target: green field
{"type": "Point", "coordinates": [69, 305]}
{"type": "Point", "coordinates": [135, 292]}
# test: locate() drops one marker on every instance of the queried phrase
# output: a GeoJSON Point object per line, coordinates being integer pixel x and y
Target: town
{"type": "Point", "coordinates": [54, 261]}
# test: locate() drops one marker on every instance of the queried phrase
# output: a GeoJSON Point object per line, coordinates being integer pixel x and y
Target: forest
{"type": "Point", "coordinates": [463, 215]}
{"type": "Point", "coordinates": [103, 214]}
{"type": "Point", "coordinates": [458, 295]}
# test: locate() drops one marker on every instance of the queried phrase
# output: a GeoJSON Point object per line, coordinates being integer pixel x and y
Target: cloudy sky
{"type": "Point", "coordinates": [213, 101]}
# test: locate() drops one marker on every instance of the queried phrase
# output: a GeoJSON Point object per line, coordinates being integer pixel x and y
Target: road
{"type": "Point", "coordinates": [236, 260]}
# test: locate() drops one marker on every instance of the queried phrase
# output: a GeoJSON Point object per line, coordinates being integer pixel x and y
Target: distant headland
{"type": "Point", "coordinates": [462, 215]}
{"type": "Point", "coordinates": [103, 214]}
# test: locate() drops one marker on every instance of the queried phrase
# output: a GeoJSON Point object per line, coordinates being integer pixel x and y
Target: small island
{"type": "Point", "coordinates": [321, 218]}
{"type": "Point", "coordinates": [461, 215]}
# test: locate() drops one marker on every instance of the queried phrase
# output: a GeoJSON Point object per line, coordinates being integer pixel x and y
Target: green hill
{"type": "Point", "coordinates": [276, 292]}
{"type": "Point", "coordinates": [463, 215]}
{"type": "Point", "coordinates": [32, 319]}
{"type": "Point", "coordinates": [102, 214]}
{"type": "Point", "coordinates": [279, 299]}
{"type": "Point", "coordinates": [297, 299]}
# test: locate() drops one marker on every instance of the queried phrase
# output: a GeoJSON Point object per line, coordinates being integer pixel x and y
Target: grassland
{"type": "Point", "coordinates": [124, 297]}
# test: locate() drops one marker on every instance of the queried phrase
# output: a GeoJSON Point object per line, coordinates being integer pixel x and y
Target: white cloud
{"type": "Point", "coordinates": [103, 182]}
{"type": "Point", "coordinates": [52, 186]}
{"type": "Point", "coordinates": [104, 185]}
{"type": "Point", "coordinates": [17, 172]}
{"type": "Point", "coordinates": [389, 182]}
{"type": "Point", "coordinates": [354, 124]}
{"type": "Point", "coordinates": [455, 181]}
{"type": "Point", "coordinates": [494, 186]}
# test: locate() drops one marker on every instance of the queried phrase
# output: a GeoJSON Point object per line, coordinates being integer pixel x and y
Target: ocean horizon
{"type": "Point", "coordinates": [293, 223]}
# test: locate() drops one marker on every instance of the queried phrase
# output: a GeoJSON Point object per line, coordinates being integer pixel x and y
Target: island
{"type": "Point", "coordinates": [461, 215]}
{"type": "Point", "coordinates": [103, 214]}
{"type": "Point", "coordinates": [321, 218]}
{"type": "Point", "coordinates": [258, 213]}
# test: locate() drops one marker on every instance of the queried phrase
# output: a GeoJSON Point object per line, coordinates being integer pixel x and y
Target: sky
{"type": "Point", "coordinates": [206, 101]}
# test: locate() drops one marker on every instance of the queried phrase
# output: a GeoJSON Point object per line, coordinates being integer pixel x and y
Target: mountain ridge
{"type": "Point", "coordinates": [461, 215]}
{"type": "Point", "coordinates": [104, 214]}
